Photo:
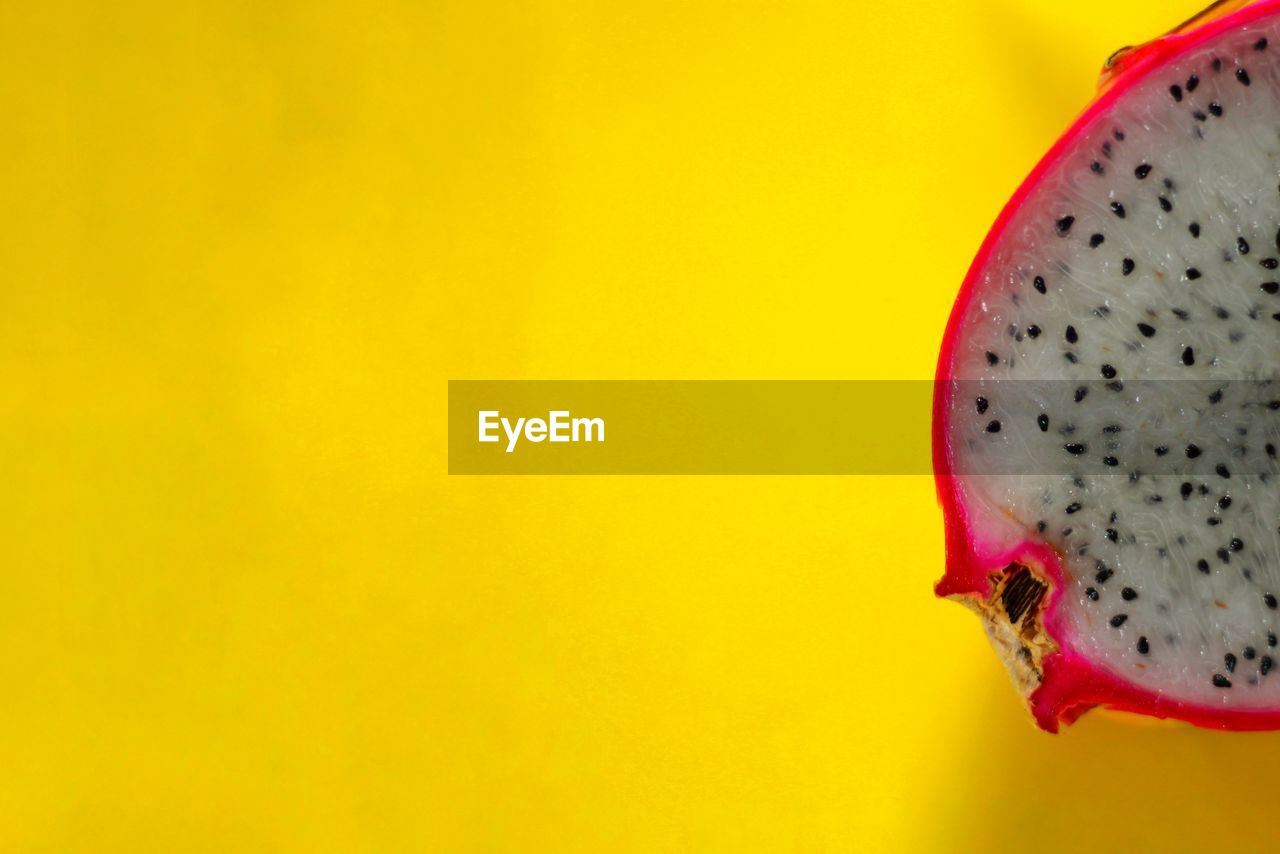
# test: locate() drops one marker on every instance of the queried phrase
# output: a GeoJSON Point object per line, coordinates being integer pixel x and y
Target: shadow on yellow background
{"type": "Point", "coordinates": [246, 245]}
{"type": "Point", "coordinates": [1135, 783]}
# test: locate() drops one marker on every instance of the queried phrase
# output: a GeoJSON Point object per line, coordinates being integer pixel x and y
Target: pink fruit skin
{"type": "Point", "coordinates": [1071, 685]}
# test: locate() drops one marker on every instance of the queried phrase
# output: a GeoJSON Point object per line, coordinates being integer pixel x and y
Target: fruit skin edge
{"type": "Point", "coordinates": [1070, 685]}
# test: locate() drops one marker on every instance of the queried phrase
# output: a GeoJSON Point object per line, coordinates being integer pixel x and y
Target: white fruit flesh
{"type": "Point", "coordinates": [1165, 274]}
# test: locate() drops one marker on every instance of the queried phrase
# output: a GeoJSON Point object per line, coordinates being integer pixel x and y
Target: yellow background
{"type": "Point", "coordinates": [244, 245]}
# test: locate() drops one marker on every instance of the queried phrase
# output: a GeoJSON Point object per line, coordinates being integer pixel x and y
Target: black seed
{"type": "Point", "coordinates": [1276, 316]}
{"type": "Point", "coordinates": [1270, 287]}
{"type": "Point", "coordinates": [1272, 640]}
{"type": "Point", "coordinates": [1126, 266]}
{"type": "Point", "coordinates": [1213, 521]}
{"type": "Point", "coordinates": [1237, 544]}
{"type": "Point", "coordinates": [1200, 116]}
{"type": "Point", "coordinates": [1092, 593]}
{"type": "Point", "coordinates": [1064, 225]}
{"type": "Point", "coordinates": [1260, 44]}
{"type": "Point", "coordinates": [1176, 91]}
{"type": "Point", "coordinates": [1117, 209]}
{"type": "Point", "coordinates": [1071, 335]}
{"type": "Point", "coordinates": [1193, 273]}
{"type": "Point", "coordinates": [1108, 372]}
{"type": "Point", "coordinates": [1128, 594]}
{"type": "Point", "coordinates": [1033, 331]}
{"type": "Point", "coordinates": [1270, 600]}
{"type": "Point", "coordinates": [1165, 204]}
{"type": "Point", "coordinates": [1161, 450]}
{"type": "Point", "coordinates": [1203, 566]}
{"type": "Point", "coordinates": [1143, 646]}
{"type": "Point", "coordinates": [1230, 661]}
{"type": "Point", "coordinates": [1095, 241]}
{"type": "Point", "coordinates": [1217, 64]}
{"type": "Point", "coordinates": [1264, 666]}
{"type": "Point", "coordinates": [1221, 313]}
{"type": "Point", "coordinates": [1273, 405]}
{"type": "Point", "coordinates": [1106, 150]}
{"type": "Point", "coordinates": [1185, 489]}
{"type": "Point", "coordinates": [1146, 329]}
{"type": "Point", "coordinates": [1194, 228]}
{"type": "Point", "coordinates": [1188, 356]}
{"type": "Point", "coordinates": [993, 427]}
{"type": "Point", "coordinates": [1080, 393]}
{"type": "Point", "coordinates": [1222, 470]}
{"type": "Point", "coordinates": [1073, 507]}
{"type": "Point", "coordinates": [992, 358]}
{"type": "Point", "coordinates": [1071, 357]}
{"type": "Point", "coordinates": [982, 404]}
{"type": "Point", "coordinates": [1220, 681]}
{"type": "Point", "coordinates": [1043, 421]}
{"type": "Point", "coordinates": [1271, 450]}
{"type": "Point", "coordinates": [1242, 76]}
{"type": "Point", "coordinates": [1215, 109]}
{"type": "Point", "coordinates": [1215, 396]}
{"type": "Point", "coordinates": [1192, 82]}
{"type": "Point", "coordinates": [1223, 555]}
{"type": "Point", "coordinates": [1269, 263]}
{"type": "Point", "coordinates": [1142, 171]}
{"type": "Point", "coordinates": [1112, 534]}
{"type": "Point", "coordinates": [1111, 461]}
{"type": "Point", "coordinates": [1193, 451]}
{"type": "Point", "coordinates": [1118, 620]}
{"type": "Point", "coordinates": [1180, 313]}
{"type": "Point", "coordinates": [1096, 167]}
{"type": "Point", "coordinates": [1242, 245]}
{"type": "Point", "coordinates": [1249, 653]}
{"type": "Point", "coordinates": [1103, 574]}
{"type": "Point", "coordinates": [1118, 134]}
{"type": "Point", "coordinates": [1074, 448]}
{"type": "Point", "coordinates": [1038, 283]}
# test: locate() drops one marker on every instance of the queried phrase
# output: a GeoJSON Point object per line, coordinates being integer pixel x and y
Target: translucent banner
{"type": "Point", "coordinates": [689, 427]}
{"type": "Point", "coordinates": [1203, 428]}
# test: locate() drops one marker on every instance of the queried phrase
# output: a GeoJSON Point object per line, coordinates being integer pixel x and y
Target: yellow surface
{"type": "Point", "coordinates": [244, 245]}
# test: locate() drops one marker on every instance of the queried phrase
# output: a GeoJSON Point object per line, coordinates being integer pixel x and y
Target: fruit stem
{"type": "Point", "coordinates": [1123, 59]}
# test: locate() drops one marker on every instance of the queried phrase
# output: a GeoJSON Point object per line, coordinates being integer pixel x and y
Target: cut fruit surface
{"type": "Point", "coordinates": [1107, 413]}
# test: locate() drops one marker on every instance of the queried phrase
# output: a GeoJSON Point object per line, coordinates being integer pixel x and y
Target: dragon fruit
{"type": "Point", "coordinates": [1107, 411]}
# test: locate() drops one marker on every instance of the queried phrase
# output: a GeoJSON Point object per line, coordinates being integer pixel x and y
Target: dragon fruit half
{"type": "Point", "coordinates": [1107, 412]}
